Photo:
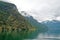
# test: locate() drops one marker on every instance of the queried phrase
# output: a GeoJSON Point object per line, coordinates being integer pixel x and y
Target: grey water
{"type": "Point", "coordinates": [51, 34]}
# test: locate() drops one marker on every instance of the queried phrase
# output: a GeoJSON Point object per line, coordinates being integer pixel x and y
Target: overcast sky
{"type": "Point", "coordinates": [40, 9]}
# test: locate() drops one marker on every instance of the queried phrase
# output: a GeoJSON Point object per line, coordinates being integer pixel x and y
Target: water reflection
{"type": "Point", "coordinates": [18, 35]}
{"type": "Point", "coordinates": [31, 35]}
{"type": "Point", "coordinates": [46, 36]}
{"type": "Point", "coordinates": [49, 35]}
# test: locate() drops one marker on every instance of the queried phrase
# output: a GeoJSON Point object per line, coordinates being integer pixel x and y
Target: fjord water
{"type": "Point", "coordinates": [50, 34]}
{"type": "Point", "coordinates": [53, 33]}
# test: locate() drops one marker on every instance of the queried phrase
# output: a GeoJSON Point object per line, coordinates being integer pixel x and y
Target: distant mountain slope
{"type": "Point", "coordinates": [34, 22]}
{"type": "Point", "coordinates": [11, 18]}
{"type": "Point", "coordinates": [41, 27]}
{"type": "Point", "coordinates": [54, 25]}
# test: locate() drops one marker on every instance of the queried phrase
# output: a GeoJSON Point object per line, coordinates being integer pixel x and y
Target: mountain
{"type": "Point", "coordinates": [53, 23]}
{"type": "Point", "coordinates": [36, 24]}
{"type": "Point", "coordinates": [11, 19]}
{"type": "Point", "coordinates": [53, 26]}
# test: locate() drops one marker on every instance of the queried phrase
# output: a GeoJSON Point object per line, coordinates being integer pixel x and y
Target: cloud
{"type": "Point", "coordinates": [41, 10]}
{"type": "Point", "coordinates": [50, 10]}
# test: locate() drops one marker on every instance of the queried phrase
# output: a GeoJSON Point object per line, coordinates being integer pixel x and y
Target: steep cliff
{"type": "Point", "coordinates": [11, 19]}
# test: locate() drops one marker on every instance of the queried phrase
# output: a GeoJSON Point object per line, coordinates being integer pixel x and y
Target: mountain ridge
{"type": "Point", "coordinates": [53, 26]}
{"type": "Point", "coordinates": [11, 19]}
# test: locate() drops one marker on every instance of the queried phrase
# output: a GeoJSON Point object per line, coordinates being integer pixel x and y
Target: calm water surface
{"type": "Point", "coordinates": [51, 34]}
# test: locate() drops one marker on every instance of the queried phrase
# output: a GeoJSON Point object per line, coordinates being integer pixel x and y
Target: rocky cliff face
{"type": "Point", "coordinates": [11, 19]}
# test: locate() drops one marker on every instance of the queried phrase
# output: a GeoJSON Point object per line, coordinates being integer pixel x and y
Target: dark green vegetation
{"type": "Point", "coordinates": [39, 26]}
{"type": "Point", "coordinates": [35, 23]}
{"type": "Point", "coordinates": [14, 26]}
{"type": "Point", "coordinates": [11, 19]}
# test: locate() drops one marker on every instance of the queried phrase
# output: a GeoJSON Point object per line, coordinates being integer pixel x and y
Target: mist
{"type": "Point", "coordinates": [41, 10]}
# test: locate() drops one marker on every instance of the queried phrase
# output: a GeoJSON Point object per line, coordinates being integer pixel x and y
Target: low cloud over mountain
{"type": "Point", "coordinates": [40, 9]}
